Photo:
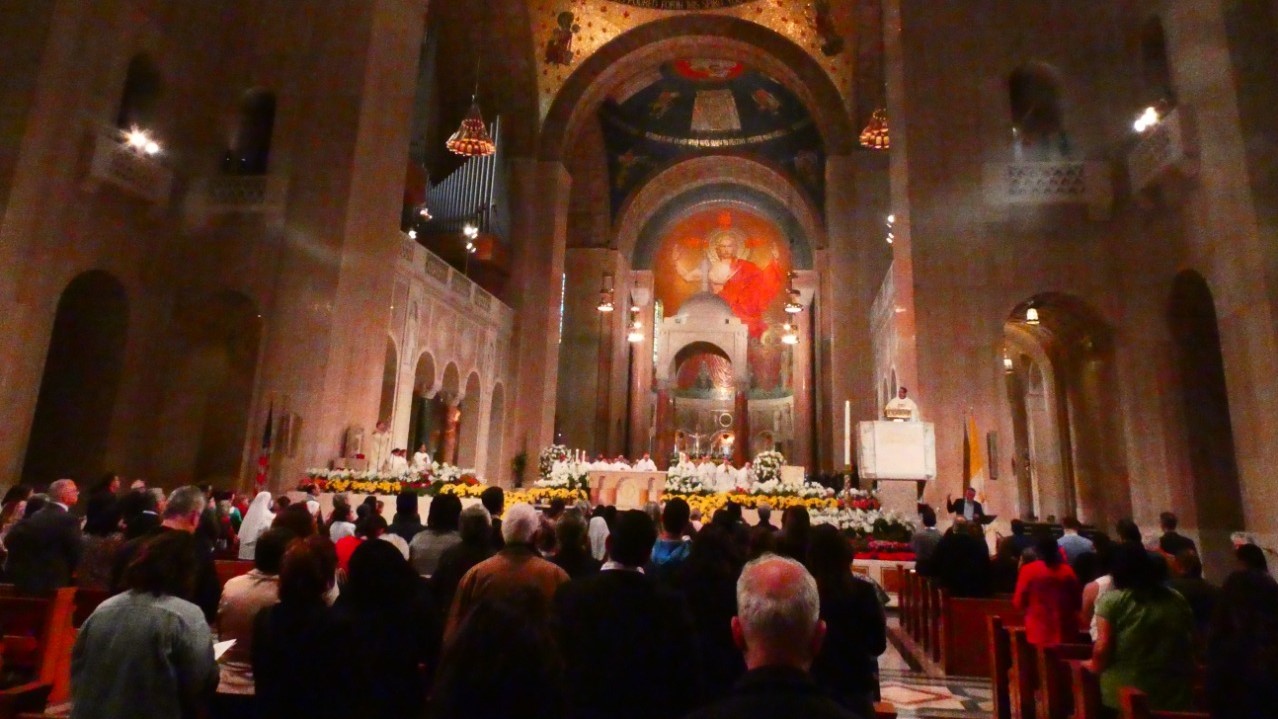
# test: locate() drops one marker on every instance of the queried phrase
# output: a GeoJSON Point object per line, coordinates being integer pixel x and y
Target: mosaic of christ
{"type": "Point", "coordinates": [736, 254]}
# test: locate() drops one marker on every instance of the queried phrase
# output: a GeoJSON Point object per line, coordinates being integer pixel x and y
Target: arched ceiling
{"type": "Point", "coordinates": [692, 106]}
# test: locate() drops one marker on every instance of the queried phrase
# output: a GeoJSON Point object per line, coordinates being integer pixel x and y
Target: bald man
{"type": "Point", "coordinates": [778, 628]}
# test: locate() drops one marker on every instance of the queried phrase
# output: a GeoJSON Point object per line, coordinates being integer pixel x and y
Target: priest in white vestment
{"type": "Point", "coordinates": [725, 478]}
{"type": "Point", "coordinates": [421, 459]}
{"type": "Point", "coordinates": [379, 450]}
{"type": "Point", "coordinates": [646, 464]}
{"type": "Point", "coordinates": [398, 462]}
{"type": "Point", "coordinates": [745, 476]}
{"type": "Point", "coordinates": [902, 402]}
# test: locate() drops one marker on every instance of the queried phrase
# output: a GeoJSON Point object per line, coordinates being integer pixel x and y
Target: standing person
{"type": "Point", "coordinates": [442, 522]}
{"type": "Point", "coordinates": [1242, 648]}
{"type": "Point", "coordinates": [902, 403]}
{"type": "Point", "coordinates": [45, 548]}
{"type": "Point", "coordinates": [961, 563]}
{"type": "Point", "coordinates": [146, 653]}
{"type": "Point", "coordinates": [340, 524]}
{"type": "Point", "coordinates": [1145, 635]}
{"type": "Point", "coordinates": [967, 507]}
{"type": "Point", "coordinates": [458, 559]}
{"type": "Point", "coordinates": [407, 522]}
{"type": "Point", "coordinates": [779, 630]}
{"type": "Point", "coordinates": [1172, 542]}
{"type": "Point", "coordinates": [671, 548]}
{"type": "Point", "coordinates": [1187, 580]}
{"type": "Point", "coordinates": [494, 500]}
{"type": "Point", "coordinates": [257, 520]}
{"type": "Point", "coordinates": [13, 508]}
{"type": "Point", "coordinates": [242, 598]}
{"type": "Point", "coordinates": [709, 581]}
{"type": "Point", "coordinates": [1072, 543]}
{"type": "Point", "coordinates": [140, 510]}
{"type": "Point", "coordinates": [1049, 594]}
{"type": "Point", "coordinates": [102, 539]}
{"type": "Point", "coordinates": [644, 629]}
{"type": "Point", "coordinates": [796, 532]}
{"type": "Point", "coordinates": [597, 531]}
{"type": "Point", "coordinates": [302, 638]}
{"type": "Point", "coordinates": [516, 567]}
{"type": "Point", "coordinates": [924, 541]}
{"type": "Point", "coordinates": [847, 666]}
{"type": "Point", "coordinates": [572, 549]}
{"type": "Point", "coordinates": [182, 512]}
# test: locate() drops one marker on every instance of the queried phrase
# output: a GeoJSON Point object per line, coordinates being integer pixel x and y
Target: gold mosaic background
{"type": "Point", "coordinates": [599, 21]}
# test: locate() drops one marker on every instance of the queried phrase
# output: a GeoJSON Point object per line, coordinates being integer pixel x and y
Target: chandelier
{"type": "Point", "coordinates": [472, 138]}
{"type": "Point", "coordinates": [875, 134]}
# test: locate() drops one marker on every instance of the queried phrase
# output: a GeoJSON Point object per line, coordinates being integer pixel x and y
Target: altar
{"type": "Point", "coordinates": [625, 489]}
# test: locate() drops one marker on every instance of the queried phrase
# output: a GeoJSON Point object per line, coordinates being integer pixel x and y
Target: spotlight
{"type": "Point", "coordinates": [470, 231]}
{"type": "Point", "coordinates": [412, 234]}
{"type": "Point", "coordinates": [1147, 119]}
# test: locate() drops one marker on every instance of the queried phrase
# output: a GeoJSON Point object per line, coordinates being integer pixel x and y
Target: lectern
{"type": "Point", "coordinates": [898, 455]}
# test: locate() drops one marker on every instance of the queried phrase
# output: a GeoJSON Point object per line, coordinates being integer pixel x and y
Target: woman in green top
{"type": "Point", "coordinates": [1145, 635]}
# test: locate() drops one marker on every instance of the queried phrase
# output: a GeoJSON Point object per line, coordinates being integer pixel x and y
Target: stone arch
{"type": "Point", "coordinates": [250, 150]}
{"type": "Point", "coordinates": [140, 94]}
{"type": "Point", "coordinates": [496, 435]}
{"type": "Point", "coordinates": [774, 191]}
{"type": "Point", "coordinates": [82, 374]}
{"type": "Point", "coordinates": [1155, 66]}
{"type": "Point", "coordinates": [1035, 96]}
{"type": "Point", "coordinates": [1074, 348]}
{"type": "Point", "coordinates": [425, 415]}
{"type": "Point", "coordinates": [471, 419]}
{"type": "Point", "coordinates": [451, 383]}
{"type": "Point", "coordinates": [710, 36]}
{"type": "Point", "coordinates": [1191, 315]}
{"type": "Point", "coordinates": [1041, 454]}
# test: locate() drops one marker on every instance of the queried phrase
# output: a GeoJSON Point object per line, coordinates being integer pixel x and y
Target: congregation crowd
{"type": "Point", "coordinates": [487, 611]}
{"type": "Point", "coordinates": [1155, 622]}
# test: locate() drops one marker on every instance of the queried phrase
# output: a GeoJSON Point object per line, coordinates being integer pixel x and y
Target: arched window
{"type": "Point", "coordinates": [1154, 65]}
{"type": "Point", "coordinates": [1037, 118]}
{"type": "Point", "coordinates": [250, 150]}
{"type": "Point", "coordinates": [140, 99]}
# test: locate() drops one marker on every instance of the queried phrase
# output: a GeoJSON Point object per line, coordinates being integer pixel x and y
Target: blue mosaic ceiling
{"type": "Point", "coordinates": [691, 107]}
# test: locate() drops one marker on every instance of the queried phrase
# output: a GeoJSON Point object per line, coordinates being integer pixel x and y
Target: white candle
{"type": "Point", "coordinates": [847, 433]}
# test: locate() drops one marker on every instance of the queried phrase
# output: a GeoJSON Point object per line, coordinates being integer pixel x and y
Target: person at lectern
{"type": "Point", "coordinates": [900, 404]}
{"type": "Point", "coordinates": [967, 508]}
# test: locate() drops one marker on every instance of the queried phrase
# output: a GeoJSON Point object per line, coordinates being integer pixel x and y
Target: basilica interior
{"type": "Point", "coordinates": [701, 226]}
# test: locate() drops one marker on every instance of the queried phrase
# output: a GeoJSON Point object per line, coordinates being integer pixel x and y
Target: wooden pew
{"type": "Point", "coordinates": [24, 698]}
{"type": "Point", "coordinates": [1055, 697]}
{"type": "Point", "coordinates": [1134, 704]}
{"type": "Point", "coordinates": [1022, 674]}
{"type": "Point", "coordinates": [906, 604]}
{"type": "Point", "coordinates": [1086, 689]}
{"type": "Point", "coordinates": [38, 638]}
{"type": "Point", "coordinates": [893, 579]}
{"type": "Point", "coordinates": [959, 632]}
{"type": "Point", "coordinates": [932, 610]}
{"type": "Point", "coordinates": [882, 710]}
{"type": "Point", "coordinates": [87, 600]}
{"type": "Point", "coordinates": [1000, 666]}
{"type": "Point", "coordinates": [228, 569]}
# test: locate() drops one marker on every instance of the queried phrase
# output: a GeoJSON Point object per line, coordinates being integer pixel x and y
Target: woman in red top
{"type": "Point", "coordinates": [1050, 595]}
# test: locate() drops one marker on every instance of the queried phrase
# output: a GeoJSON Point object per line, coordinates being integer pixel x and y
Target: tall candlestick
{"type": "Point", "coordinates": [847, 433]}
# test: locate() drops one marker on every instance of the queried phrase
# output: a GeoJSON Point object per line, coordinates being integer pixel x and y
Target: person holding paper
{"type": "Point", "coordinates": [967, 508]}
{"type": "Point", "coordinates": [902, 403]}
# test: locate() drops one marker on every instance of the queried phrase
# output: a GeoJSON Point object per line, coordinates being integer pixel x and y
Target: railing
{"type": "Point", "coordinates": [1166, 147]}
{"type": "Point", "coordinates": [444, 278]}
{"type": "Point", "coordinates": [243, 194]}
{"type": "Point", "coordinates": [1051, 183]}
{"type": "Point", "coordinates": [475, 193]}
{"type": "Point", "coordinates": [114, 163]}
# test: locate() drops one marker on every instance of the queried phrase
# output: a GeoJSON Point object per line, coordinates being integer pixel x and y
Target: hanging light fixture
{"type": "Point", "coordinates": [793, 304]}
{"type": "Point", "coordinates": [1008, 365]}
{"type": "Point", "coordinates": [606, 296]}
{"type": "Point", "coordinates": [472, 138]}
{"type": "Point", "coordinates": [636, 327]}
{"type": "Point", "coordinates": [875, 134]}
{"type": "Point", "coordinates": [1031, 316]}
{"type": "Point", "coordinates": [789, 334]}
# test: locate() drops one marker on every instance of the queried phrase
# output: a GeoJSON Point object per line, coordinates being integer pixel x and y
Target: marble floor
{"type": "Point", "coordinates": [916, 694]}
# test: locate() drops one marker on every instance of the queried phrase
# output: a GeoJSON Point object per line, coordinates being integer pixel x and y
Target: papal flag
{"type": "Point", "coordinates": [974, 469]}
{"type": "Point", "coordinates": [264, 453]}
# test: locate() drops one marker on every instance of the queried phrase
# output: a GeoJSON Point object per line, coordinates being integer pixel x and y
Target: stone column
{"type": "Point", "coordinates": [801, 375]}
{"type": "Point", "coordinates": [641, 367]}
{"type": "Point", "coordinates": [664, 442]}
{"type": "Point", "coordinates": [741, 428]}
{"type": "Point", "coordinates": [539, 209]}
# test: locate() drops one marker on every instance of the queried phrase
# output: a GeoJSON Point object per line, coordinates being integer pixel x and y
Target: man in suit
{"type": "Point", "coordinates": [1172, 542]}
{"type": "Point", "coordinates": [778, 628]}
{"type": "Point", "coordinates": [624, 634]}
{"type": "Point", "coordinates": [967, 508]}
{"type": "Point", "coordinates": [45, 548]}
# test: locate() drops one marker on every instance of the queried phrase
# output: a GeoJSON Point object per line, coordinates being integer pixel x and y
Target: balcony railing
{"type": "Point", "coordinates": [444, 278]}
{"type": "Point", "coordinates": [237, 194]}
{"type": "Point", "coordinates": [115, 163]}
{"type": "Point", "coordinates": [1051, 183]}
{"type": "Point", "coordinates": [1164, 148]}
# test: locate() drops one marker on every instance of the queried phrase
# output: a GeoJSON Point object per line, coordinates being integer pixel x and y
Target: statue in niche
{"type": "Point", "coordinates": [559, 47]}
{"type": "Point", "coordinates": [747, 288]}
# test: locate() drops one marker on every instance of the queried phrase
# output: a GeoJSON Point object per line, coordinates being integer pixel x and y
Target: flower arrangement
{"type": "Point", "coordinates": [859, 499]}
{"type": "Point", "coordinates": [867, 524]}
{"type": "Point", "coordinates": [779, 496]}
{"type": "Point", "coordinates": [548, 457]}
{"type": "Point", "coordinates": [432, 481]}
{"type": "Point", "coordinates": [767, 465]}
{"type": "Point", "coordinates": [685, 484]}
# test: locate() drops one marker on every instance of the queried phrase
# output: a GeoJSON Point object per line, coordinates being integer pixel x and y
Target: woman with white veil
{"type": "Point", "coordinates": [257, 520]}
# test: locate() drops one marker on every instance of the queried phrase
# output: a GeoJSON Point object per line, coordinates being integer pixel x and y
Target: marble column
{"type": "Point", "coordinates": [741, 427]}
{"type": "Point", "coordinates": [452, 424]}
{"type": "Point", "coordinates": [665, 426]}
